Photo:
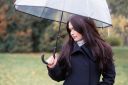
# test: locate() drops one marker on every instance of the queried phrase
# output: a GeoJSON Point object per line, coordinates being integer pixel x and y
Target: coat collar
{"type": "Point", "coordinates": [76, 48]}
{"type": "Point", "coordinates": [83, 49]}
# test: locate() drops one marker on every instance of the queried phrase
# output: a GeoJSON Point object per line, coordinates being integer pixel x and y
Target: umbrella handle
{"type": "Point", "coordinates": [42, 57]}
{"type": "Point", "coordinates": [43, 60]}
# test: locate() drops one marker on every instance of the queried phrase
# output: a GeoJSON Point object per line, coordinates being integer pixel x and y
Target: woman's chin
{"type": "Point", "coordinates": [76, 40]}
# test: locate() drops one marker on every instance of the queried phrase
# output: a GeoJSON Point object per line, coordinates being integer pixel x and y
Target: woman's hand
{"type": "Point", "coordinates": [52, 61]}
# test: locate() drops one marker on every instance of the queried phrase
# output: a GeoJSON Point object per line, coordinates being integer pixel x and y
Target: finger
{"type": "Point", "coordinates": [49, 59]}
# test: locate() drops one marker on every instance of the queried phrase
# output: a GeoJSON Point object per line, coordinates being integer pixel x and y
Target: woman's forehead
{"type": "Point", "coordinates": [70, 25]}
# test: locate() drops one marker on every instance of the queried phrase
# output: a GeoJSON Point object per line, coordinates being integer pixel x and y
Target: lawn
{"type": "Point", "coordinates": [27, 69]}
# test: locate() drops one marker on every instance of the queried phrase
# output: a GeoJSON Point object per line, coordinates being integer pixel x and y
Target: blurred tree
{"type": "Point", "coordinates": [48, 38]}
{"type": "Point", "coordinates": [126, 34]}
{"type": "Point", "coordinates": [119, 7]}
{"type": "Point", "coordinates": [120, 27]}
{"type": "Point", "coordinates": [3, 25]}
{"type": "Point", "coordinates": [19, 42]}
{"type": "Point", "coordinates": [38, 29]}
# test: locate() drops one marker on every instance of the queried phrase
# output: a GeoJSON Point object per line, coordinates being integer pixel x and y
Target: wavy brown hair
{"type": "Point", "coordinates": [99, 48]}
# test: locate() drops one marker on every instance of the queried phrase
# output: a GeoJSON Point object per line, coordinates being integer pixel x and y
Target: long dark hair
{"type": "Point", "coordinates": [99, 48]}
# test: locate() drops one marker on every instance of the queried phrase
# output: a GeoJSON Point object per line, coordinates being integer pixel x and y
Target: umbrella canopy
{"type": "Point", "coordinates": [61, 10]}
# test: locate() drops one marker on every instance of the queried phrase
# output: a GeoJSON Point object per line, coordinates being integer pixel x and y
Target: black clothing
{"type": "Point", "coordinates": [84, 70]}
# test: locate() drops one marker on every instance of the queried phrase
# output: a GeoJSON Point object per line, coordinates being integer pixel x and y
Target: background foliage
{"type": "Point", "coordinates": [20, 32]}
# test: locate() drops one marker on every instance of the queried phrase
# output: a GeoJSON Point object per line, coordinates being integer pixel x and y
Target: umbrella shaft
{"type": "Point", "coordinates": [58, 34]}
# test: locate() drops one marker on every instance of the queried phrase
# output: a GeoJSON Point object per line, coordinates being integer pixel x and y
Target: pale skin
{"type": "Point", "coordinates": [76, 37]}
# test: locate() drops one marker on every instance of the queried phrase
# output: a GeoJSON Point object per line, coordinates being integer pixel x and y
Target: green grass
{"type": "Point", "coordinates": [121, 63]}
{"type": "Point", "coordinates": [27, 69]}
{"type": "Point", "coordinates": [23, 69]}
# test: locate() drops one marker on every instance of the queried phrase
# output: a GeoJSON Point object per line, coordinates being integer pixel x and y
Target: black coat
{"type": "Point", "coordinates": [84, 70]}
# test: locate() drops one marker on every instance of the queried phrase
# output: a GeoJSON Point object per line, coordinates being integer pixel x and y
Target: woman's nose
{"type": "Point", "coordinates": [72, 33]}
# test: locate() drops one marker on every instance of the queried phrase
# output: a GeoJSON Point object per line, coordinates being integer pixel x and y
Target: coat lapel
{"type": "Point", "coordinates": [88, 52]}
{"type": "Point", "coordinates": [83, 49]}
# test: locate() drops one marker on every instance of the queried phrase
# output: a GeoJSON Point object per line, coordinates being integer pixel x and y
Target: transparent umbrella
{"type": "Point", "coordinates": [61, 10]}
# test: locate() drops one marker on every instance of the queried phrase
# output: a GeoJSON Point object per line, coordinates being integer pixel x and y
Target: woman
{"type": "Point", "coordinates": [84, 57]}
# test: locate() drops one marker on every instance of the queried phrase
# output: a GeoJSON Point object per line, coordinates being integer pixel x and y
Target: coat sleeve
{"type": "Point", "coordinates": [56, 73]}
{"type": "Point", "coordinates": [108, 75]}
